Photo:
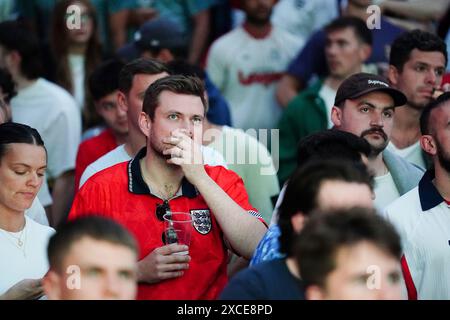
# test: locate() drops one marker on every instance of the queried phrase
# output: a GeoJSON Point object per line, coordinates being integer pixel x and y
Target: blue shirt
{"type": "Point", "coordinates": [269, 247]}
{"type": "Point", "coordinates": [270, 280]}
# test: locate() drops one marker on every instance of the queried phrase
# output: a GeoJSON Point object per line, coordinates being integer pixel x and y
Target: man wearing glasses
{"type": "Point", "coordinates": [169, 175]}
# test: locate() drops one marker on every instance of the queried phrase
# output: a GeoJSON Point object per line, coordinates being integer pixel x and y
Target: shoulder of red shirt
{"type": "Point", "coordinates": [105, 139]}
{"type": "Point", "coordinates": [119, 174]}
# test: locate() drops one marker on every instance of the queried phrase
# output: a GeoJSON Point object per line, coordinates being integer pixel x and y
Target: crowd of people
{"type": "Point", "coordinates": [310, 149]}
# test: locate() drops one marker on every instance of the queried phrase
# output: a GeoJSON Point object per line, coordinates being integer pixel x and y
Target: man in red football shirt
{"type": "Point", "coordinates": [169, 175]}
{"type": "Point", "coordinates": [104, 87]}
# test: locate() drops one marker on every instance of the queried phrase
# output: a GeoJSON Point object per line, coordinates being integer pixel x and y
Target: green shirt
{"type": "Point", "coordinates": [304, 115]}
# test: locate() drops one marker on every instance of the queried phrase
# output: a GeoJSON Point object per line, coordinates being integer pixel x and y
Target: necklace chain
{"type": "Point", "coordinates": [165, 195]}
{"type": "Point", "coordinates": [20, 243]}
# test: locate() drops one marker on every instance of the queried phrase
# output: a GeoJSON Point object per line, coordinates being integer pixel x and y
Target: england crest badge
{"type": "Point", "coordinates": [201, 219]}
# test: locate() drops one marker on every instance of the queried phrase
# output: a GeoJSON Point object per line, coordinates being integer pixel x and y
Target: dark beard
{"type": "Point", "coordinates": [375, 151]}
{"type": "Point", "coordinates": [256, 21]}
{"type": "Point", "coordinates": [158, 151]}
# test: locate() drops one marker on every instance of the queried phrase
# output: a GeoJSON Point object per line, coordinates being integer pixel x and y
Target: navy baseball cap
{"type": "Point", "coordinates": [156, 33]}
{"type": "Point", "coordinates": [360, 84]}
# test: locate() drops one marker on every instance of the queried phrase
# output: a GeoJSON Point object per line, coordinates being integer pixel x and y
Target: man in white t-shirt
{"type": "Point", "coordinates": [247, 63]}
{"type": "Point", "coordinates": [365, 105]}
{"type": "Point", "coordinates": [46, 107]}
{"type": "Point", "coordinates": [422, 216]}
{"type": "Point", "coordinates": [417, 64]}
{"type": "Point", "coordinates": [134, 78]}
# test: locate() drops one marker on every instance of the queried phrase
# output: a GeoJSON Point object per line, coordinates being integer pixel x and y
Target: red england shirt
{"type": "Point", "coordinates": [120, 193]}
{"type": "Point", "coordinates": [92, 149]}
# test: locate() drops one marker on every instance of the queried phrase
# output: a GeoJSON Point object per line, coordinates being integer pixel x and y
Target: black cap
{"type": "Point", "coordinates": [156, 33]}
{"type": "Point", "coordinates": [363, 83]}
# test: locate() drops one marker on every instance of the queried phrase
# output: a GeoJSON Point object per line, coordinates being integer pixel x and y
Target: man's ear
{"type": "Point", "coordinates": [314, 292]}
{"type": "Point", "coordinates": [165, 55]}
{"type": "Point", "coordinates": [336, 116]}
{"type": "Point", "coordinates": [51, 285]}
{"type": "Point", "coordinates": [13, 60]}
{"type": "Point", "coordinates": [428, 144]}
{"type": "Point", "coordinates": [298, 220]}
{"type": "Point", "coordinates": [98, 108]}
{"type": "Point", "coordinates": [365, 52]}
{"type": "Point", "coordinates": [393, 75]}
{"type": "Point", "coordinates": [122, 101]}
{"type": "Point", "coordinates": [144, 124]}
{"type": "Point", "coordinates": [15, 57]}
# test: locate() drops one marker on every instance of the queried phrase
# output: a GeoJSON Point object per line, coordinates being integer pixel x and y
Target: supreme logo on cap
{"type": "Point", "coordinates": [377, 82]}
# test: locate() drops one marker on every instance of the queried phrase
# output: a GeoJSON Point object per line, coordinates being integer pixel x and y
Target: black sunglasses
{"type": "Point", "coordinates": [162, 209]}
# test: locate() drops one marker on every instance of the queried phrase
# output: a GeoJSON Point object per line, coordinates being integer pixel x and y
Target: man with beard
{"type": "Point", "coordinates": [247, 63]}
{"type": "Point", "coordinates": [348, 45]}
{"type": "Point", "coordinates": [365, 106]}
{"type": "Point", "coordinates": [422, 216]}
{"type": "Point", "coordinates": [417, 64]}
{"type": "Point", "coordinates": [169, 175]}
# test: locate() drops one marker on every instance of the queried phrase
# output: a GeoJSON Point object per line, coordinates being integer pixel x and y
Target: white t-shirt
{"type": "Point", "coordinates": [30, 262]}
{"type": "Point", "coordinates": [119, 154]}
{"type": "Point", "coordinates": [37, 212]}
{"type": "Point", "coordinates": [276, 210]}
{"type": "Point", "coordinates": [76, 64]}
{"type": "Point", "coordinates": [246, 70]}
{"type": "Point", "coordinates": [328, 94]}
{"type": "Point", "coordinates": [53, 112]}
{"type": "Point", "coordinates": [385, 191]}
{"type": "Point", "coordinates": [413, 153]}
{"type": "Point", "coordinates": [422, 219]}
{"type": "Point", "coordinates": [251, 160]}
{"type": "Point", "coordinates": [302, 18]}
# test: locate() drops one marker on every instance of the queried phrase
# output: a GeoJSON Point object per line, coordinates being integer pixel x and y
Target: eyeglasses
{"type": "Point", "coordinates": [162, 209]}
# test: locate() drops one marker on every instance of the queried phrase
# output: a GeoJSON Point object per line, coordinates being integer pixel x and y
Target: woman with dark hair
{"type": "Point", "coordinates": [76, 49]}
{"type": "Point", "coordinates": [7, 92]}
{"type": "Point", "coordinates": [23, 242]}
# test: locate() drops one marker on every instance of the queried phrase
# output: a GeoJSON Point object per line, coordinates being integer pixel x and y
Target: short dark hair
{"type": "Point", "coordinates": [177, 84]}
{"type": "Point", "coordinates": [104, 79]}
{"type": "Point", "coordinates": [7, 85]}
{"type": "Point", "coordinates": [138, 66]}
{"type": "Point", "coordinates": [15, 36]}
{"type": "Point", "coordinates": [332, 144]}
{"type": "Point", "coordinates": [325, 233]}
{"type": "Point", "coordinates": [94, 227]}
{"type": "Point", "coordinates": [11, 132]}
{"type": "Point", "coordinates": [304, 186]}
{"type": "Point", "coordinates": [363, 33]}
{"type": "Point", "coordinates": [405, 43]}
{"type": "Point", "coordinates": [425, 127]}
